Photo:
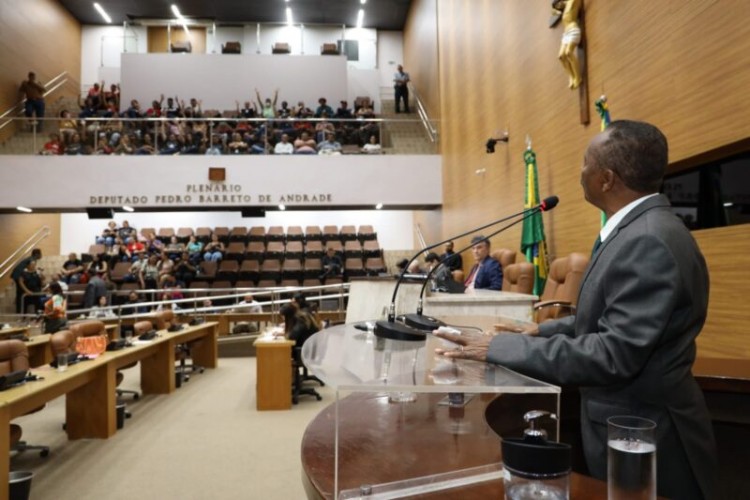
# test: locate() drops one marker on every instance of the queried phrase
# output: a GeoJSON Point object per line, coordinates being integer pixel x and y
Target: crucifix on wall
{"type": "Point", "coordinates": [572, 53]}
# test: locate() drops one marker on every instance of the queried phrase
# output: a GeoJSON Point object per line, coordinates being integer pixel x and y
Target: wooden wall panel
{"type": "Point", "coordinates": [684, 66]}
{"type": "Point", "coordinates": [17, 228]}
{"type": "Point", "coordinates": [421, 58]}
{"type": "Point", "coordinates": [157, 38]}
{"type": "Point", "coordinates": [725, 332]}
{"type": "Point", "coordinates": [39, 36]}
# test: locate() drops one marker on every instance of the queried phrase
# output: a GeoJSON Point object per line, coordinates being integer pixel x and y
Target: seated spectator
{"type": "Point", "coordinates": [75, 146]}
{"type": "Point", "coordinates": [194, 109]}
{"type": "Point", "coordinates": [261, 147]}
{"type": "Point", "coordinates": [194, 249]}
{"type": "Point", "coordinates": [174, 249]}
{"type": "Point", "coordinates": [134, 111]}
{"type": "Point", "coordinates": [88, 108]}
{"type": "Point", "coordinates": [68, 125]}
{"type": "Point", "coordinates": [343, 112]}
{"type": "Point", "coordinates": [95, 95]}
{"type": "Point", "coordinates": [134, 304]}
{"type": "Point", "coordinates": [96, 266]}
{"type": "Point", "coordinates": [53, 147]}
{"type": "Point", "coordinates": [166, 272]}
{"type": "Point", "coordinates": [113, 94]}
{"type": "Point", "coordinates": [125, 147]}
{"type": "Point", "coordinates": [72, 270]}
{"type": "Point", "coordinates": [302, 111]}
{"type": "Point", "coordinates": [322, 128]}
{"type": "Point", "coordinates": [401, 266]}
{"type": "Point", "coordinates": [102, 146]}
{"type": "Point", "coordinates": [365, 111]}
{"type": "Point", "coordinates": [184, 270]}
{"type": "Point", "coordinates": [134, 248]}
{"type": "Point", "coordinates": [304, 144]}
{"type": "Point", "coordinates": [284, 147]}
{"type": "Point", "coordinates": [170, 146]}
{"type": "Point", "coordinates": [153, 244]}
{"type": "Point", "coordinates": [214, 250]}
{"type": "Point", "coordinates": [172, 110]}
{"type": "Point", "coordinates": [146, 146]}
{"type": "Point", "coordinates": [248, 111]}
{"type": "Point", "coordinates": [284, 111]}
{"type": "Point", "coordinates": [134, 274]}
{"type": "Point", "coordinates": [237, 145]}
{"type": "Point", "coordinates": [108, 235]}
{"type": "Point", "coordinates": [248, 305]}
{"type": "Point", "coordinates": [166, 306]}
{"type": "Point", "coordinates": [117, 252]}
{"type": "Point", "coordinates": [149, 273]}
{"type": "Point", "coordinates": [126, 231]}
{"type": "Point", "coordinates": [323, 110]}
{"type": "Point", "coordinates": [102, 309]}
{"type": "Point", "coordinates": [330, 146]}
{"type": "Point", "coordinates": [155, 110]}
{"type": "Point", "coordinates": [372, 147]}
{"type": "Point", "coordinates": [331, 264]}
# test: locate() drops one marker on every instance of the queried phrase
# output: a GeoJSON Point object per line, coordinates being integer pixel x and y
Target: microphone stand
{"type": "Point", "coordinates": [390, 329]}
{"type": "Point", "coordinates": [428, 323]}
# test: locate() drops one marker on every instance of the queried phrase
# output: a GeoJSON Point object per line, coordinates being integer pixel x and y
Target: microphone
{"type": "Point", "coordinates": [390, 329]}
{"type": "Point", "coordinates": [428, 323]}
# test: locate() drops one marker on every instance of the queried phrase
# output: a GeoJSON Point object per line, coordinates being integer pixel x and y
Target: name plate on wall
{"type": "Point", "coordinates": [75, 182]}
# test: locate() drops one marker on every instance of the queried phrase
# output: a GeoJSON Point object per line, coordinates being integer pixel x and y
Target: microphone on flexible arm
{"type": "Point", "coordinates": [390, 329]}
{"type": "Point", "coordinates": [428, 323]}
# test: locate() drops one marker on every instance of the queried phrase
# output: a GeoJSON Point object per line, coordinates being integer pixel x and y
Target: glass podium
{"type": "Point", "coordinates": [407, 421]}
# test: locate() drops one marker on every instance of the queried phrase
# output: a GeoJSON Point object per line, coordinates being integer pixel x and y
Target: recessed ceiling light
{"type": "Point", "coordinates": [101, 12]}
{"type": "Point", "coordinates": [360, 17]}
{"type": "Point", "coordinates": [128, 209]}
{"type": "Point", "coordinates": [282, 207]}
{"type": "Point", "coordinates": [176, 11]}
{"type": "Point", "coordinates": [24, 209]}
{"type": "Point", "coordinates": [378, 206]}
{"type": "Point", "coordinates": [289, 15]}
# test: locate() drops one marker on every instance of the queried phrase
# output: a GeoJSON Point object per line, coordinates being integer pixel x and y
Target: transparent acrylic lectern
{"type": "Point", "coordinates": [430, 409]}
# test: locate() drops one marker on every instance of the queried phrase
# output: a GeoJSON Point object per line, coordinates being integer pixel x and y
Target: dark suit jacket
{"type": "Point", "coordinates": [489, 276]}
{"type": "Point", "coordinates": [631, 346]}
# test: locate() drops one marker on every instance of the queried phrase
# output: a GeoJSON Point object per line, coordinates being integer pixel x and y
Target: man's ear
{"type": "Point", "coordinates": [607, 179]}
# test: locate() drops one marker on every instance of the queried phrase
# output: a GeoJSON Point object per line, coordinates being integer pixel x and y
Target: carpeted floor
{"type": "Point", "coordinates": [204, 441]}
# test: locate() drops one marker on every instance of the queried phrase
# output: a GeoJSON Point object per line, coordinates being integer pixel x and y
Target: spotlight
{"type": "Point", "coordinates": [492, 141]}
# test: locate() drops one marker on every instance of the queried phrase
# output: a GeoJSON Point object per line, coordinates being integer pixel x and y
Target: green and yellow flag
{"type": "Point", "coordinates": [533, 242]}
{"type": "Point", "coordinates": [602, 108]}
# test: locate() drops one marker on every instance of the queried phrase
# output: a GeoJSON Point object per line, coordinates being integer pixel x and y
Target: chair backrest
{"type": "Point", "coordinates": [14, 356]}
{"type": "Point", "coordinates": [62, 342]}
{"type": "Point", "coordinates": [141, 327]}
{"type": "Point", "coordinates": [88, 329]}
{"type": "Point", "coordinates": [231, 48]}
{"type": "Point", "coordinates": [518, 277]}
{"type": "Point", "coordinates": [564, 281]}
{"type": "Point", "coordinates": [505, 256]}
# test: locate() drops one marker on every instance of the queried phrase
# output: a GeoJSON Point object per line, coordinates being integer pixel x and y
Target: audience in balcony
{"type": "Point", "coordinates": [284, 147]}
{"type": "Point", "coordinates": [330, 146]}
{"type": "Point", "coordinates": [372, 147]}
{"type": "Point", "coordinates": [184, 270]}
{"type": "Point", "coordinates": [148, 274]}
{"type": "Point", "coordinates": [267, 107]}
{"type": "Point", "coordinates": [323, 110]}
{"type": "Point", "coordinates": [54, 146]}
{"type": "Point", "coordinates": [73, 270]}
{"type": "Point", "coordinates": [102, 309]}
{"type": "Point", "coordinates": [305, 144]}
{"type": "Point", "coordinates": [194, 249]}
{"type": "Point", "coordinates": [96, 266]}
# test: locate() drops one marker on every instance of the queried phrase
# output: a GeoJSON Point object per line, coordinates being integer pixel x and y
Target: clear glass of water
{"type": "Point", "coordinates": [631, 458]}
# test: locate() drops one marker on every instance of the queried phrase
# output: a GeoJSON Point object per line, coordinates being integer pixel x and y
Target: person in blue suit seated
{"type": "Point", "coordinates": [486, 273]}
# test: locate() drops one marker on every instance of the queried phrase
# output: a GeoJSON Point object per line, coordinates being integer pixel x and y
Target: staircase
{"type": "Point", "coordinates": [403, 133]}
{"type": "Point", "coordinates": [23, 143]}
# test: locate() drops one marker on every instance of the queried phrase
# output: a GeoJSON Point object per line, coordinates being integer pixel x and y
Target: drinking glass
{"type": "Point", "coordinates": [62, 362]}
{"type": "Point", "coordinates": [631, 458]}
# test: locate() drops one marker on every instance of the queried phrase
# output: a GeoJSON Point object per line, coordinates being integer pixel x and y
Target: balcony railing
{"type": "Point", "coordinates": [209, 136]}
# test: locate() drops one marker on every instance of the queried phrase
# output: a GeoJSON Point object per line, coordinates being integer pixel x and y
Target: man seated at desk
{"type": "Point", "coordinates": [248, 306]}
{"type": "Point", "coordinates": [486, 273]}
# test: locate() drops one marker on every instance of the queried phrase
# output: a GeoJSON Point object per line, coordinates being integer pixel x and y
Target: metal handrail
{"type": "Point", "coordinates": [14, 258]}
{"type": "Point", "coordinates": [431, 130]}
{"type": "Point", "coordinates": [420, 236]}
{"type": "Point", "coordinates": [49, 90]}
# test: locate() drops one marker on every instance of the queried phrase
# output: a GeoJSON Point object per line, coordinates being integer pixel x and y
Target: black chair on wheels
{"type": "Point", "coordinates": [299, 376]}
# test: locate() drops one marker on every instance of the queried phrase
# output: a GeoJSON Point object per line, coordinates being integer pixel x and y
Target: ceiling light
{"type": "Point", "coordinates": [289, 16]}
{"type": "Point", "coordinates": [282, 207]}
{"type": "Point", "coordinates": [728, 204]}
{"type": "Point", "coordinates": [176, 11]}
{"type": "Point", "coordinates": [360, 17]}
{"type": "Point", "coordinates": [378, 206]}
{"type": "Point", "coordinates": [128, 209]}
{"type": "Point", "coordinates": [24, 209]}
{"type": "Point", "coordinates": [101, 12]}
{"type": "Point", "coordinates": [363, 2]}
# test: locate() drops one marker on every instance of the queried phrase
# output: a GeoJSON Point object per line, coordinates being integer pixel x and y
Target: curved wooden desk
{"type": "Point", "coordinates": [427, 443]}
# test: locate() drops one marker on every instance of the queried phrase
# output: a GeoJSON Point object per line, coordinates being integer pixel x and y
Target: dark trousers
{"type": "Point", "coordinates": [402, 92]}
{"type": "Point", "coordinates": [35, 106]}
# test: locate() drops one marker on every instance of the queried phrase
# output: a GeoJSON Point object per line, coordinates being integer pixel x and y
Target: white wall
{"type": "Point", "coordinates": [390, 55]}
{"type": "Point", "coordinates": [101, 47]}
{"type": "Point", "coordinates": [219, 80]}
{"type": "Point", "coordinates": [394, 228]}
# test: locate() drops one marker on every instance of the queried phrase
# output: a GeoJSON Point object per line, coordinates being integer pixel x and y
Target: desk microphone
{"type": "Point", "coordinates": [390, 329]}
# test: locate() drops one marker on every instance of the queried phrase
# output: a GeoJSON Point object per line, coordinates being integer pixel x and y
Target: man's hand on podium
{"type": "Point", "coordinates": [526, 328]}
{"type": "Point", "coordinates": [469, 346]}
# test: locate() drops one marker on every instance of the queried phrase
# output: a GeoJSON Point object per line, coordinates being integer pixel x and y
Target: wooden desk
{"type": "Point", "coordinates": [40, 350]}
{"type": "Point", "coordinates": [273, 374]}
{"type": "Point", "coordinates": [428, 439]}
{"type": "Point", "coordinates": [7, 332]}
{"type": "Point", "coordinates": [90, 385]}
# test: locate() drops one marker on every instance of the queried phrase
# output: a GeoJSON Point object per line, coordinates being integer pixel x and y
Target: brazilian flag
{"type": "Point", "coordinates": [533, 242]}
{"type": "Point", "coordinates": [602, 108]}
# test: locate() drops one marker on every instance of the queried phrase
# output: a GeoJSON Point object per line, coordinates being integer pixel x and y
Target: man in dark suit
{"type": "Point", "coordinates": [631, 345]}
{"type": "Point", "coordinates": [451, 258]}
{"type": "Point", "coordinates": [486, 273]}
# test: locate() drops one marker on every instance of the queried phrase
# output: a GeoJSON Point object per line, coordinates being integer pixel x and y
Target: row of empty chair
{"type": "Point", "coordinates": [269, 269]}
{"type": "Point", "coordinates": [272, 233]}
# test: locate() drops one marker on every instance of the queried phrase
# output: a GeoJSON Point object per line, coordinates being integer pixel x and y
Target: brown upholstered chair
{"type": "Point", "coordinates": [561, 291]}
{"type": "Point", "coordinates": [139, 328]}
{"type": "Point", "coordinates": [505, 256]}
{"type": "Point", "coordinates": [329, 49]}
{"type": "Point", "coordinates": [518, 277]}
{"type": "Point", "coordinates": [164, 320]}
{"type": "Point", "coordinates": [231, 48]}
{"type": "Point", "coordinates": [281, 48]}
{"type": "Point", "coordinates": [14, 357]}
{"type": "Point", "coordinates": [88, 329]}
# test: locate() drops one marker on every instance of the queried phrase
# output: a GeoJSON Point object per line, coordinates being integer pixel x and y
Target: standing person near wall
{"type": "Point", "coordinates": [33, 91]}
{"type": "Point", "coordinates": [36, 254]}
{"type": "Point", "coordinates": [401, 88]}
